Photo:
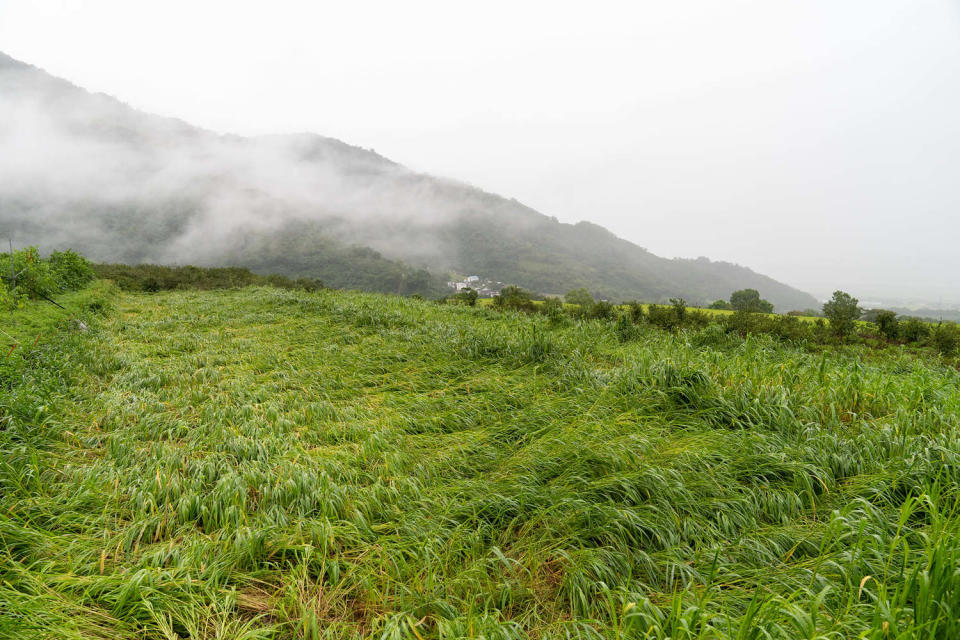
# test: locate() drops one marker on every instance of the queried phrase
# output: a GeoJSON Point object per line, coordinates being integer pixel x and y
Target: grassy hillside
{"type": "Point", "coordinates": [263, 463]}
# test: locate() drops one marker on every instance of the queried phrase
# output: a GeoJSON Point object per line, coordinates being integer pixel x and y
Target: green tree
{"type": "Point", "coordinates": [842, 311]}
{"type": "Point", "coordinates": [887, 324]}
{"type": "Point", "coordinates": [580, 297]}
{"type": "Point", "coordinates": [553, 308]}
{"type": "Point", "coordinates": [70, 270]}
{"type": "Point", "coordinates": [720, 304]}
{"type": "Point", "coordinates": [914, 329]}
{"type": "Point", "coordinates": [662, 316]}
{"type": "Point", "coordinates": [513, 297]}
{"type": "Point", "coordinates": [34, 277]}
{"type": "Point", "coordinates": [602, 310]}
{"type": "Point", "coordinates": [749, 300]}
{"type": "Point", "coordinates": [7, 300]}
{"type": "Point", "coordinates": [679, 309]}
{"type": "Point", "coordinates": [636, 311]}
{"type": "Point", "coordinates": [946, 338]}
{"type": "Point", "coordinates": [625, 329]}
{"type": "Point", "coordinates": [468, 297]}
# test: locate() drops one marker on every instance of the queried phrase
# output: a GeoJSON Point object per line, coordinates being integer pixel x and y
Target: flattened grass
{"type": "Point", "coordinates": [264, 463]}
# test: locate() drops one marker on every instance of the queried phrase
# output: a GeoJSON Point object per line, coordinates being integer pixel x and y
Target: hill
{"type": "Point", "coordinates": [263, 463]}
{"type": "Point", "coordinates": [87, 171]}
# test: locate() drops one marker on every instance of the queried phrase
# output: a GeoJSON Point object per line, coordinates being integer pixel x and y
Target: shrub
{"type": "Point", "coordinates": [679, 309]}
{"type": "Point", "coordinates": [887, 324]}
{"type": "Point", "coordinates": [635, 309]}
{"type": "Point", "coordinates": [513, 297]}
{"type": "Point", "coordinates": [580, 297]}
{"type": "Point", "coordinates": [710, 336]}
{"type": "Point", "coordinates": [601, 310]}
{"type": "Point", "coordinates": [152, 278]}
{"type": "Point", "coordinates": [308, 284]}
{"type": "Point", "coordinates": [466, 297]}
{"type": "Point", "coordinates": [71, 270]}
{"type": "Point", "coordinates": [913, 329]}
{"type": "Point", "coordinates": [553, 309]}
{"type": "Point", "coordinates": [662, 316]}
{"type": "Point", "coordinates": [946, 338]}
{"type": "Point", "coordinates": [744, 322]}
{"type": "Point", "coordinates": [551, 305]}
{"type": "Point", "coordinates": [698, 319]}
{"type": "Point", "coordinates": [625, 329]}
{"type": "Point", "coordinates": [842, 312]}
{"type": "Point", "coordinates": [790, 328]}
{"type": "Point", "coordinates": [7, 299]}
{"type": "Point", "coordinates": [34, 277]}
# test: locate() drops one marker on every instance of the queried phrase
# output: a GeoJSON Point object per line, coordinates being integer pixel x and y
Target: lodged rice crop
{"type": "Point", "coordinates": [263, 463]}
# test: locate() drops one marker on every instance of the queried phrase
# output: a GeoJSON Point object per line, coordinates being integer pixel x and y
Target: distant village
{"type": "Point", "coordinates": [484, 288]}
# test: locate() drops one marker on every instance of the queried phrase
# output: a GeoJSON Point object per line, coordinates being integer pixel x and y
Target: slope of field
{"type": "Point", "coordinates": [270, 464]}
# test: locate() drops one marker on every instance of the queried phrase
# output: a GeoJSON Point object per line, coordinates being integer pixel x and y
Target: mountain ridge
{"type": "Point", "coordinates": [124, 185]}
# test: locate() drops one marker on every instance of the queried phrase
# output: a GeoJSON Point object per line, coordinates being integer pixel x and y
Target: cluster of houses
{"type": "Point", "coordinates": [484, 288]}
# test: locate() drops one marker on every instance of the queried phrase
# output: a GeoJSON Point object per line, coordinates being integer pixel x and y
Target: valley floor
{"type": "Point", "coordinates": [262, 463]}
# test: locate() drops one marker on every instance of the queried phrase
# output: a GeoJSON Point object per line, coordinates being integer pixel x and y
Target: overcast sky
{"type": "Point", "coordinates": [816, 141]}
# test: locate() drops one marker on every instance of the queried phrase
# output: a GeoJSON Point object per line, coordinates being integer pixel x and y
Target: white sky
{"type": "Point", "coordinates": [816, 141]}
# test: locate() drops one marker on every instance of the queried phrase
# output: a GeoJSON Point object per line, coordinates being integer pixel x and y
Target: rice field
{"type": "Point", "coordinates": [262, 463]}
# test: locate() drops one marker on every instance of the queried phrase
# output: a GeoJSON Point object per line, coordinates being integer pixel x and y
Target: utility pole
{"type": "Point", "coordinates": [13, 273]}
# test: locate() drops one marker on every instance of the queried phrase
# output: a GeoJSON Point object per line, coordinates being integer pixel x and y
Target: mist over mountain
{"type": "Point", "coordinates": [86, 171]}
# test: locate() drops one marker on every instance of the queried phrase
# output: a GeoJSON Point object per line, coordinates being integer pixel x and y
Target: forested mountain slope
{"type": "Point", "coordinates": [87, 171]}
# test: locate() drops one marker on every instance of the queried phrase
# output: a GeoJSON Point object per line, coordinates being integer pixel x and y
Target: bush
{"type": "Point", "coordinates": [635, 309]}
{"type": "Point", "coordinates": [663, 317]}
{"type": "Point", "coordinates": [71, 270]}
{"type": "Point", "coordinates": [513, 297]}
{"type": "Point", "coordinates": [722, 305]}
{"type": "Point", "coordinates": [602, 310]}
{"type": "Point", "coordinates": [466, 297]}
{"type": "Point", "coordinates": [913, 329]}
{"type": "Point", "coordinates": [625, 329]}
{"type": "Point", "coordinates": [785, 327]}
{"type": "Point", "coordinates": [579, 297]}
{"type": "Point", "coordinates": [679, 309]}
{"type": "Point", "coordinates": [698, 319]}
{"type": "Point", "coordinates": [34, 277]}
{"type": "Point", "coordinates": [308, 284]}
{"type": "Point", "coordinates": [946, 338]}
{"type": "Point", "coordinates": [744, 322]}
{"type": "Point", "coordinates": [790, 328]}
{"type": "Point", "coordinates": [151, 278]}
{"type": "Point", "coordinates": [711, 336]}
{"type": "Point", "coordinates": [7, 299]}
{"type": "Point", "coordinates": [887, 324]}
{"type": "Point", "coordinates": [553, 309]}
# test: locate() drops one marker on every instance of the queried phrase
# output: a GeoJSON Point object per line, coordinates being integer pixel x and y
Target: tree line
{"type": "Point", "coordinates": [840, 320]}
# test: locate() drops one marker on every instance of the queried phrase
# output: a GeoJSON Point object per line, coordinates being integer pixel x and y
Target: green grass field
{"type": "Point", "coordinates": [262, 463]}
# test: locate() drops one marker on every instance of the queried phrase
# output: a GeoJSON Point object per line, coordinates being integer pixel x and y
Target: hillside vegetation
{"type": "Point", "coordinates": [269, 463]}
{"type": "Point", "coordinates": [131, 187]}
